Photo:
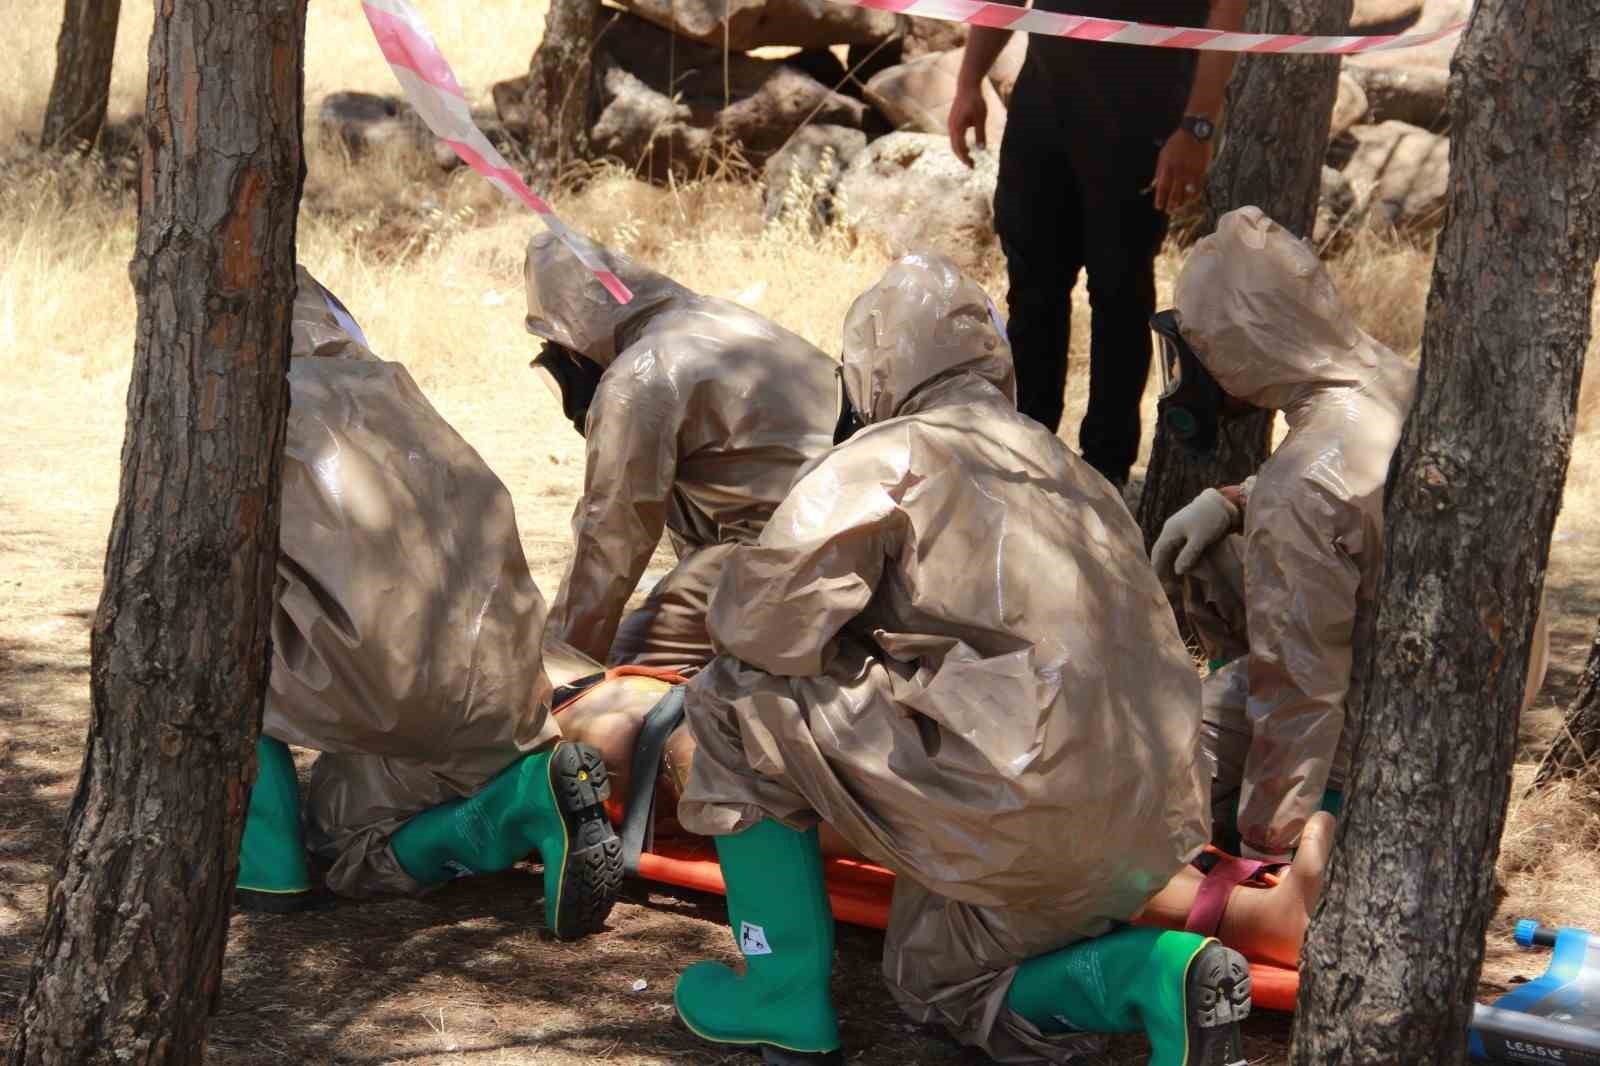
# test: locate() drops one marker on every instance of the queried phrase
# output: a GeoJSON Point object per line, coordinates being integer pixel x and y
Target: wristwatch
{"type": "Point", "coordinates": [1199, 127]}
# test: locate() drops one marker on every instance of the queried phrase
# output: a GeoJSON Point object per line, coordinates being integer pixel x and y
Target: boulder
{"type": "Point", "coordinates": [910, 191]}
{"type": "Point", "coordinates": [1349, 107]}
{"type": "Point", "coordinates": [365, 121]}
{"type": "Point", "coordinates": [1008, 65]}
{"type": "Point", "coordinates": [805, 173]}
{"type": "Point", "coordinates": [1410, 84]}
{"type": "Point", "coordinates": [740, 25]}
{"type": "Point", "coordinates": [1384, 16]}
{"type": "Point", "coordinates": [917, 96]}
{"type": "Point", "coordinates": [1399, 174]}
{"type": "Point", "coordinates": [926, 36]}
{"type": "Point", "coordinates": [664, 108]}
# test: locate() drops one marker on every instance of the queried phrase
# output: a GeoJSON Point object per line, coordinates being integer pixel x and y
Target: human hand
{"type": "Point", "coordinates": [967, 111]}
{"type": "Point", "coordinates": [1187, 534]}
{"type": "Point", "coordinates": [1234, 494]}
{"type": "Point", "coordinates": [1180, 168]}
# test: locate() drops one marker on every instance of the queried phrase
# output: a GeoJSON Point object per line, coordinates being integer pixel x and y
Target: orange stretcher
{"type": "Point", "coordinates": [858, 891]}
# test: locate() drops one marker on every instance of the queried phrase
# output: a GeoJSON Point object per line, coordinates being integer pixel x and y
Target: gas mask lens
{"type": "Point", "coordinates": [1191, 402]}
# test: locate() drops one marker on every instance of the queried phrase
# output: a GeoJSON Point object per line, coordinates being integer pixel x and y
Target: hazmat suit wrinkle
{"type": "Point", "coordinates": [702, 420]}
{"type": "Point", "coordinates": [947, 644]}
{"type": "Point", "coordinates": [1263, 315]}
{"type": "Point", "coordinates": [406, 628]}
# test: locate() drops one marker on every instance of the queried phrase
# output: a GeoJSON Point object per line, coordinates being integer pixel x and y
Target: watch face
{"type": "Point", "coordinates": [1200, 127]}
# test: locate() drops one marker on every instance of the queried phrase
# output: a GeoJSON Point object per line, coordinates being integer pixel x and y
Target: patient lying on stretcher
{"type": "Point", "coordinates": [1265, 917]}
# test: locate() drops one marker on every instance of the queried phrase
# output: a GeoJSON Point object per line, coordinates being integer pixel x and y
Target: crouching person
{"type": "Point", "coordinates": [406, 649]}
{"type": "Point", "coordinates": [948, 645]}
{"type": "Point", "coordinates": [698, 416]}
{"type": "Point", "coordinates": [1276, 571]}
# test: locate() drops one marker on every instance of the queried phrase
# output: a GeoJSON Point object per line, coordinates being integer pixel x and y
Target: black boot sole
{"type": "Point", "coordinates": [1217, 999]}
{"type": "Point", "coordinates": [592, 876]}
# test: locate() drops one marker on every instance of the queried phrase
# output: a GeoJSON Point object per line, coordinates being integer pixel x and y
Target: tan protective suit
{"type": "Point", "coordinates": [406, 634]}
{"type": "Point", "coordinates": [1283, 596]}
{"type": "Point", "coordinates": [703, 418]}
{"type": "Point", "coordinates": [1261, 312]}
{"type": "Point", "coordinates": [949, 645]}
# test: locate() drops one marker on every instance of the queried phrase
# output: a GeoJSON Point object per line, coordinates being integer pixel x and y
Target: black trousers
{"type": "Point", "coordinates": [1058, 213]}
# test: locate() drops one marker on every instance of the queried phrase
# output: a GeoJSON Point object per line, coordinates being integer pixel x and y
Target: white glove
{"type": "Point", "coordinates": [1207, 519]}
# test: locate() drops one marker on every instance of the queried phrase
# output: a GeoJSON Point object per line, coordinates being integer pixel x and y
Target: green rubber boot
{"type": "Point", "coordinates": [778, 907]}
{"type": "Point", "coordinates": [272, 856]}
{"type": "Point", "coordinates": [550, 802]}
{"type": "Point", "coordinates": [1185, 991]}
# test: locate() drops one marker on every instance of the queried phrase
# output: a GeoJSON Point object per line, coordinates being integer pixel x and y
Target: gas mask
{"type": "Point", "coordinates": [849, 422]}
{"type": "Point", "coordinates": [1191, 400]}
{"type": "Point", "coordinates": [571, 378]}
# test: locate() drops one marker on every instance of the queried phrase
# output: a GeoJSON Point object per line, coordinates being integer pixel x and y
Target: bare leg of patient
{"type": "Point", "coordinates": [1266, 924]}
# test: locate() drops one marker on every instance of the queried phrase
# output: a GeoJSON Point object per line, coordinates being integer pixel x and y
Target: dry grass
{"type": "Point", "coordinates": [431, 266]}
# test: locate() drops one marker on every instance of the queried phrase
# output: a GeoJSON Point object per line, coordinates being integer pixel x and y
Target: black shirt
{"type": "Point", "coordinates": [1110, 91]}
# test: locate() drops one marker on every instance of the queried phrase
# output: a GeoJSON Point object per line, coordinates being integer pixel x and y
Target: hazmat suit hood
{"type": "Point", "coordinates": [568, 306]}
{"type": "Point", "coordinates": [1263, 316]}
{"type": "Point", "coordinates": [322, 326]}
{"type": "Point", "coordinates": [406, 625]}
{"type": "Point", "coordinates": [923, 322]}
{"type": "Point", "coordinates": [948, 644]}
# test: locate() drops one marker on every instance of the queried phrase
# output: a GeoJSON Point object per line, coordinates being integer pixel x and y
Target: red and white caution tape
{"type": "Point", "coordinates": [431, 86]}
{"type": "Point", "coordinates": [1116, 31]}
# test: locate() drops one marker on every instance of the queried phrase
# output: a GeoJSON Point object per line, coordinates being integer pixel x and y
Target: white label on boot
{"type": "Point", "coordinates": [753, 940]}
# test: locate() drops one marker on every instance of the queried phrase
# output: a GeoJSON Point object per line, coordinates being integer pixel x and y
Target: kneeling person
{"type": "Point", "coordinates": [407, 650]}
{"type": "Point", "coordinates": [948, 645]}
{"type": "Point", "coordinates": [698, 416]}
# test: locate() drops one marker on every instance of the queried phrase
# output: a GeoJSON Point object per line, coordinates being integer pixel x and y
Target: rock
{"type": "Point", "coordinates": [1384, 16]}
{"type": "Point", "coordinates": [1400, 175]}
{"type": "Point", "coordinates": [758, 23]}
{"type": "Point", "coordinates": [1335, 206]}
{"type": "Point", "coordinates": [910, 191]}
{"type": "Point", "coordinates": [662, 106]}
{"type": "Point", "coordinates": [1410, 84]}
{"type": "Point", "coordinates": [1415, 95]}
{"type": "Point", "coordinates": [917, 96]}
{"type": "Point", "coordinates": [1008, 65]}
{"type": "Point", "coordinates": [926, 36]}
{"type": "Point", "coordinates": [1349, 107]}
{"type": "Point", "coordinates": [365, 121]}
{"type": "Point", "coordinates": [806, 171]}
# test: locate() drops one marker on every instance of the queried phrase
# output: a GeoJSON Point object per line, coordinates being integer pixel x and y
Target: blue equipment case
{"type": "Point", "coordinates": [1554, 1019]}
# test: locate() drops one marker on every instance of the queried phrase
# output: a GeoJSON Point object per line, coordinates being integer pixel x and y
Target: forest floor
{"type": "Point", "coordinates": [431, 267]}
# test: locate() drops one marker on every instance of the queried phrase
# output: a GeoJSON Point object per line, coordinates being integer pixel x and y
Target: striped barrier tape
{"type": "Point", "coordinates": [1117, 31]}
{"type": "Point", "coordinates": [431, 86]}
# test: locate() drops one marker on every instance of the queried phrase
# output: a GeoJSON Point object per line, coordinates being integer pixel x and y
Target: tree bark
{"type": "Point", "coordinates": [1391, 963]}
{"type": "Point", "coordinates": [81, 90]}
{"type": "Point", "coordinates": [558, 102]}
{"type": "Point", "coordinates": [131, 956]}
{"type": "Point", "coordinates": [1577, 749]}
{"type": "Point", "coordinates": [1273, 143]}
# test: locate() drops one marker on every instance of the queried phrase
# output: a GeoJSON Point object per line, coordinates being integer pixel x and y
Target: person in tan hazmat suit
{"type": "Point", "coordinates": [949, 645]}
{"type": "Point", "coordinates": [697, 415]}
{"type": "Point", "coordinates": [406, 649]}
{"type": "Point", "coordinates": [1274, 571]}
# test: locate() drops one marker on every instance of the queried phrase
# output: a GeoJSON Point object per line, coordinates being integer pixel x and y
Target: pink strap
{"type": "Point", "coordinates": [1205, 914]}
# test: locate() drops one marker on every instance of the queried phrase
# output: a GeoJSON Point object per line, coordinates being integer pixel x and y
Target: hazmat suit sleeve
{"type": "Point", "coordinates": [782, 601]}
{"type": "Point", "coordinates": [631, 467]}
{"type": "Point", "coordinates": [1301, 625]}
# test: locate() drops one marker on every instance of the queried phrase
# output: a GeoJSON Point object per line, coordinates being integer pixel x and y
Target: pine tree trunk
{"type": "Point", "coordinates": [1391, 963]}
{"type": "Point", "coordinates": [558, 100]}
{"type": "Point", "coordinates": [130, 960]}
{"type": "Point", "coordinates": [82, 85]}
{"type": "Point", "coordinates": [1274, 140]}
{"type": "Point", "coordinates": [1577, 748]}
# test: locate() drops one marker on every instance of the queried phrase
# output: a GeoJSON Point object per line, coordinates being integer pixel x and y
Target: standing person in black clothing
{"type": "Point", "coordinates": [1101, 141]}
